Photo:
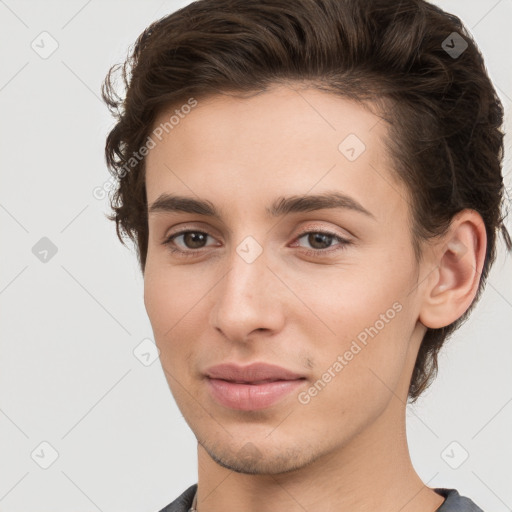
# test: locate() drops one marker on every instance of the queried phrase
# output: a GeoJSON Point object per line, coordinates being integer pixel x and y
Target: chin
{"type": "Point", "coordinates": [253, 460]}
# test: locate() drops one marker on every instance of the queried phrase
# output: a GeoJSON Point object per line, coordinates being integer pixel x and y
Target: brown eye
{"type": "Point", "coordinates": [190, 242]}
{"type": "Point", "coordinates": [321, 242]}
{"type": "Point", "coordinates": [194, 239]}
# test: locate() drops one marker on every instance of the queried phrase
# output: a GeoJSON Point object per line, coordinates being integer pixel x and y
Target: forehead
{"type": "Point", "coordinates": [280, 141]}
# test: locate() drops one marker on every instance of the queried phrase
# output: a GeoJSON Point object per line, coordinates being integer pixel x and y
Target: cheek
{"type": "Point", "coordinates": [369, 326]}
{"type": "Point", "coordinates": [354, 375]}
{"type": "Point", "coordinates": [346, 301]}
{"type": "Point", "coordinates": [178, 301]}
{"type": "Point", "coordinates": [169, 300]}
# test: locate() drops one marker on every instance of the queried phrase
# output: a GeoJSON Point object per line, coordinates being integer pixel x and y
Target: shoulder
{"type": "Point", "coordinates": [183, 502]}
{"type": "Point", "coordinates": [454, 502]}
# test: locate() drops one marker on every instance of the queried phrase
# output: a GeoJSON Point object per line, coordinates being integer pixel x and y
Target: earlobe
{"type": "Point", "coordinates": [457, 265]}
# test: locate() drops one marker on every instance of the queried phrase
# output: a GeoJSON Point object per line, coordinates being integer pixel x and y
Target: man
{"type": "Point", "coordinates": [315, 189]}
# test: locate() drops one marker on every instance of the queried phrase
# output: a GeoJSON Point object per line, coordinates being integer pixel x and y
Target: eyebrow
{"type": "Point", "coordinates": [167, 203]}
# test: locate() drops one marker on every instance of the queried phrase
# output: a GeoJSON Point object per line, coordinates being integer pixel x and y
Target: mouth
{"type": "Point", "coordinates": [255, 382]}
{"type": "Point", "coordinates": [253, 387]}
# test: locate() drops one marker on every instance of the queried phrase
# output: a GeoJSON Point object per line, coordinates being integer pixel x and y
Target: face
{"type": "Point", "coordinates": [322, 293]}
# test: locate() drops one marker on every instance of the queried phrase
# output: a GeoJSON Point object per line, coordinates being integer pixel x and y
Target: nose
{"type": "Point", "coordinates": [249, 299]}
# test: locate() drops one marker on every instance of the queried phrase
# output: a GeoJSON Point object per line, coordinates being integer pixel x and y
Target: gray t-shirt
{"type": "Point", "coordinates": [454, 502]}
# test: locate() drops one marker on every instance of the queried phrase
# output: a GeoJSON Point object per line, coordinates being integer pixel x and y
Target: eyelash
{"type": "Point", "coordinates": [310, 252]}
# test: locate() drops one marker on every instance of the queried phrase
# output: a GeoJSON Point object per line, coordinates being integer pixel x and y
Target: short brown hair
{"type": "Point", "coordinates": [444, 117]}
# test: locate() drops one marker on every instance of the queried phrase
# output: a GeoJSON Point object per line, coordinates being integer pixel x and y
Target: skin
{"type": "Point", "coordinates": [296, 310]}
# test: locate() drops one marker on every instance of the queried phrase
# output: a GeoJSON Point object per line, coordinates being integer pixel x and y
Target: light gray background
{"type": "Point", "coordinates": [68, 374]}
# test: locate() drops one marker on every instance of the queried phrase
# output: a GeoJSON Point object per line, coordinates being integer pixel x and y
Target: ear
{"type": "Point", "coordinates": [454, 270]}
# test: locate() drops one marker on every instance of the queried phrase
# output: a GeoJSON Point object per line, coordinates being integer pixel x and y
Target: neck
{"type": "Point", "coordinates": [373, 471]}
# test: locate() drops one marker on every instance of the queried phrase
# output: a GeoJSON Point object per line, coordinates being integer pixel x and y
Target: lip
{"type": "Point", "coordinates": [251, 373]}
{"type": "Point", "coordinates": [252, 387]}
